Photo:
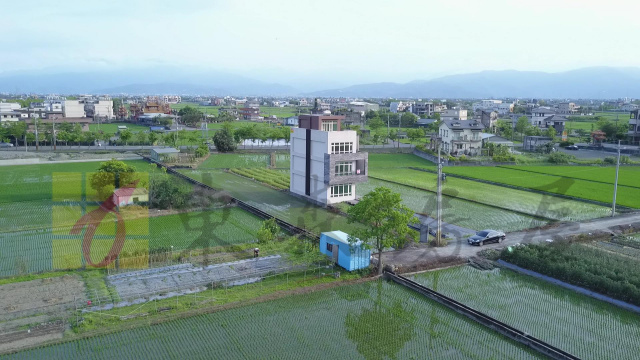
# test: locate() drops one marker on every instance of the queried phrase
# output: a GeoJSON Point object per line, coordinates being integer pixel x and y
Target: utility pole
{"type": "Point", "coordinates": [615, 185]}
{"type": "Point", "coordinates": [439, 201]}
{"type": "Point", "coordinates": [54, 132]}
{"type": "Point", "coordinates": [37, 147]}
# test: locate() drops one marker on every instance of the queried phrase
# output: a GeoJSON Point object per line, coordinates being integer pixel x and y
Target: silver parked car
{"type": "Point", "coordinates": [484, 236]}
{"type": "Point", "coordinates": [6, 145]}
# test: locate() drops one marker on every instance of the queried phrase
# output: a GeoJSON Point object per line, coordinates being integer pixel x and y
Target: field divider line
{"type": "Point", "coordinates": [569, 177]}
{"type": "Point", "coordinates": [486, 320]}
{"type": "Point", "coordinates": [516, 187]}
{"type": "Point", "coordinates": [539, 217]}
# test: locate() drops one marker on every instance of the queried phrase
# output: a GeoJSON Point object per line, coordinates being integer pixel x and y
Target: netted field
{"type": "Point", "coordinates": [518, 200]}
{"type": "Point", "coordinates": [273, 178]}
{"type": "Point", "coordinates": [276, 203]}
{"type": "Point", "coordinates": [585, 327]}
{"type": "Point", "coordinates": [603, 192]}
{"type": "Point", "coordinates": [54, 248]}
{"type": "Point", "coordinates": [456, 211]}
{"type": "Point", "coordinates": [227, 161]}
{"type": "Point", "coordinates": [372, 320]}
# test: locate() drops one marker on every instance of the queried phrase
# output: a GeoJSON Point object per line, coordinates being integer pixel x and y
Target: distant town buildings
{"type": "Point", "coordinates": [454, 114]}
{"type": "Point", "coordinates": [498, 106]}
{"type": "Point", "coordinates": [568, 108]}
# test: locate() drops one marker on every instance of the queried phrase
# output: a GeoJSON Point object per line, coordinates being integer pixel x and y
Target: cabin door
{"type": "Point", "coordinates": [334, 250]}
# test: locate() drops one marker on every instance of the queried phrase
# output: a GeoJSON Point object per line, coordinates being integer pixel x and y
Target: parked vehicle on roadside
{"type": "Point", "coordinates": [571, 147]}
{"type": "Point", "coordinates": [6, 145]}
{"type": "Point", "coordinates": [485, 236]}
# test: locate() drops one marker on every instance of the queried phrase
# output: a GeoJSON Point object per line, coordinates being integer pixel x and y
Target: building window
{"type": "Point", "coordinates": [341, 190]}
{"type": "Point", "coordinates": [344, 168]}
{"type": "Point", "coordinates": [330, 125]}
{"type": "Point", "coordinates": [329, 247]}
{"type": "Point", "coordinates": [341, 148]}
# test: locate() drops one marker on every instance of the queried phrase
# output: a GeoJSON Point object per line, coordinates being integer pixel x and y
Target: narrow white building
{"type": "Point", "coordinates": [325, 162]}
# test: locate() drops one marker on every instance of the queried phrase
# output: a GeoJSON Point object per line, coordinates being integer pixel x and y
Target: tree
{"type": "Point", "coordinates": [268, 231]}
{"type": "Point", "coordinates": [415, 134]}
{"type": "Point", "coordinates": [223, 139]}
{"type": "Point", "coordinates": [153, 137]}
{"type": "Point", "coordinates": [436, 116]}
{"type": "Point", "coordinates": [112, 175]}
{"type": "Point", "coordinates": [164, 120]}
{"type": "Point", "coordinates": [376, 139]}
{"type": "Point", "coordinates": [550, 132]}
{"type": "Point", "coordinates": [141, 137]}
{"type": "Point", "coordinates": [385, 219]}
{"type": "Point", "coordinates": [371, 114]}
{"type": "Point", "coordinates": [168, 192]}
{"type": "Point", "coordinates": [393, 135]}
{"type": "Point", "coordinates": [188, 110]}
{"type": "Point", "coordinates": [522, 124]}
{"type": "Point", "coordinates": [202, 150]}
{"type": "Point", "coordinates": [126, 135]}
{"type": "Point", "coordinates": [192, 119]}
{"type": "Point", "coordinates": [408, 119]}
{"type": "Point", "coordinates": [376, 123]}
{"type": "Point", "coordinates": [17, 130]}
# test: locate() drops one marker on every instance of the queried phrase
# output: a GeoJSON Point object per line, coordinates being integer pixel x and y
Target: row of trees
{"type": "Point", "coordinates": [191, 116]}
{"type": "Point", "coordinates": [524, 128]}
{"type": "Point", "coordinates": [227, 139]}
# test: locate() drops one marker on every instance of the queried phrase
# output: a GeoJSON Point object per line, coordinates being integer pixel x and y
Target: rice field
{"type": "Point", "coordinates": [525, 202]}
{"type": "Point", "coordinates": [372, 320]}
{"type": "Point", "coordinates": [456, 211]}
{"type": "Point", "coordinates": [603, 192]}
{"type": "Point", "coordinates": [54, 248]}
{"type": "Point", "coordinates": [585, 327]}
{"type": "Point", "coordinates": [273, 178]}
{"type": "Point", "coordinates": [280, 204]}
{"type": "Point", "coordinates": [629, 175]}
{"type": "Point", "coordinates": [385, 161]}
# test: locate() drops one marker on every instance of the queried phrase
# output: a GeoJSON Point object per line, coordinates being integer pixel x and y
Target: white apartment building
{"type": "Point", "coordinates": [8, 107]}
{"type": "Point", "coordinates": [73, 109]}
{"type": "Point", "coordinates": [454, 114]}
{"type": "Point", "coordinates": [461, 137]}
{"type": "Point", "coordinates": [102, 108]}
{"type": "Point", "coordinates": [494, 105]}
{"type": "Point", "coordinates": [325, 162]}
{"type": "Point", "coordinates": [362, 106]}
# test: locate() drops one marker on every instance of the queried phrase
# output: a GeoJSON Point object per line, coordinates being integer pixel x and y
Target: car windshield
{"type": "Point", "coordinates": [482, 233]}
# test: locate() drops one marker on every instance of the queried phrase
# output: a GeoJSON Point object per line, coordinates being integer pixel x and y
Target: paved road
{"type": "Point", "coordinates": [422, 253]}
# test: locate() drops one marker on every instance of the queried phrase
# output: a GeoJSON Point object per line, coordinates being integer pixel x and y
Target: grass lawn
{"type": "Point", "coordinates": [523, 201]}
{"type": "Point", "coordinates": [345, 318]}
{"type": "Point", "coordinates": [112, 128]}
{"type": "Point", "coordinates": [627, 196]}
{"type": "Point", "coordinates": [585, 327]}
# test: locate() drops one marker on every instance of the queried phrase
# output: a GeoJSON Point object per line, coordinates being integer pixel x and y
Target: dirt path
{"type": "Point", "coordinates": [422, 253]}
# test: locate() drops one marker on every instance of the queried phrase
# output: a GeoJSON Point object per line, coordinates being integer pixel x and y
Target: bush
{"type": "Point", "coordinates": [610, 160]}
{"type": "Point", "coordinates": [504, 158]}
{"type": "Point", "coordinates": [566, 143]}
{"type": "Point", "coordinates": [560, 158]}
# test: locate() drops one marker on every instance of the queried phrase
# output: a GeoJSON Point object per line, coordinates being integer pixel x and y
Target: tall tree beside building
{"type": "Point", "coordinates": [223, 139]}
{"type": "Point", "coordinates": [385, 221]}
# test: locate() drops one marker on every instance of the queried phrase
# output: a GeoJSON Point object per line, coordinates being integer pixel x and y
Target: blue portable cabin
{"type": "Point", "coordinates": [335, 244]}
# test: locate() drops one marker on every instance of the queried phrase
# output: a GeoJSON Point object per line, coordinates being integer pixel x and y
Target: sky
{"type": "Point", "coordinates": [327, 43]}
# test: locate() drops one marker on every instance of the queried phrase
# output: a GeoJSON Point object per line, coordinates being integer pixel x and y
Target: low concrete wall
{"type": "Point", "coordinates": [33, 161]}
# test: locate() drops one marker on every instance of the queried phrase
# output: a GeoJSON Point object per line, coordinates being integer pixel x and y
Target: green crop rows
{"type": "Point", "coordinates": [227, 161]}
{"type": "Point", "coordinates": [276, 179]}
{"type": "Point", "coordinates": [373, 320]}
{"type": "Point", "coordinates": [585, 327]}
{"type": "Point", "coordinates": [383, 161]}
{"type": "Point", "coordinates": [518, 200]}
{"type": "Point", "coordinates": [627, 196]}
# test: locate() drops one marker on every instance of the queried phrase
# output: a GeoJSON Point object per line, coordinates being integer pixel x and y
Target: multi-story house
{"type": "Point", "coordinates": [629, 107]}
{"type": "Point", "coordinates": [423, 109]}
{"type": "Point", "coordinates": [461, 137]}
{"type": "Point", "coordinates": [634, 127]}
{"type": "Point", "coordinates": [487, 118]}
{"type": "Point", "coordinates": [567, 108]}
{"type": "Point", "coordinates": [325, 162]}
{"type": "Point", "coordinates": [545, 118]}
{"type": "Point", "coordinates": [454, 114]}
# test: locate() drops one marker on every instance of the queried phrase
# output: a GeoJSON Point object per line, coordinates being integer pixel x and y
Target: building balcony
{"type": "Point", "coordinates": [354, 169]}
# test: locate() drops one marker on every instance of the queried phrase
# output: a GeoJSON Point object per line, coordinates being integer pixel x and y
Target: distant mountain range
{"type": "Point", "coordinates": [586, 83]}
{"type": "Point", "coordinates": [594, 83]}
